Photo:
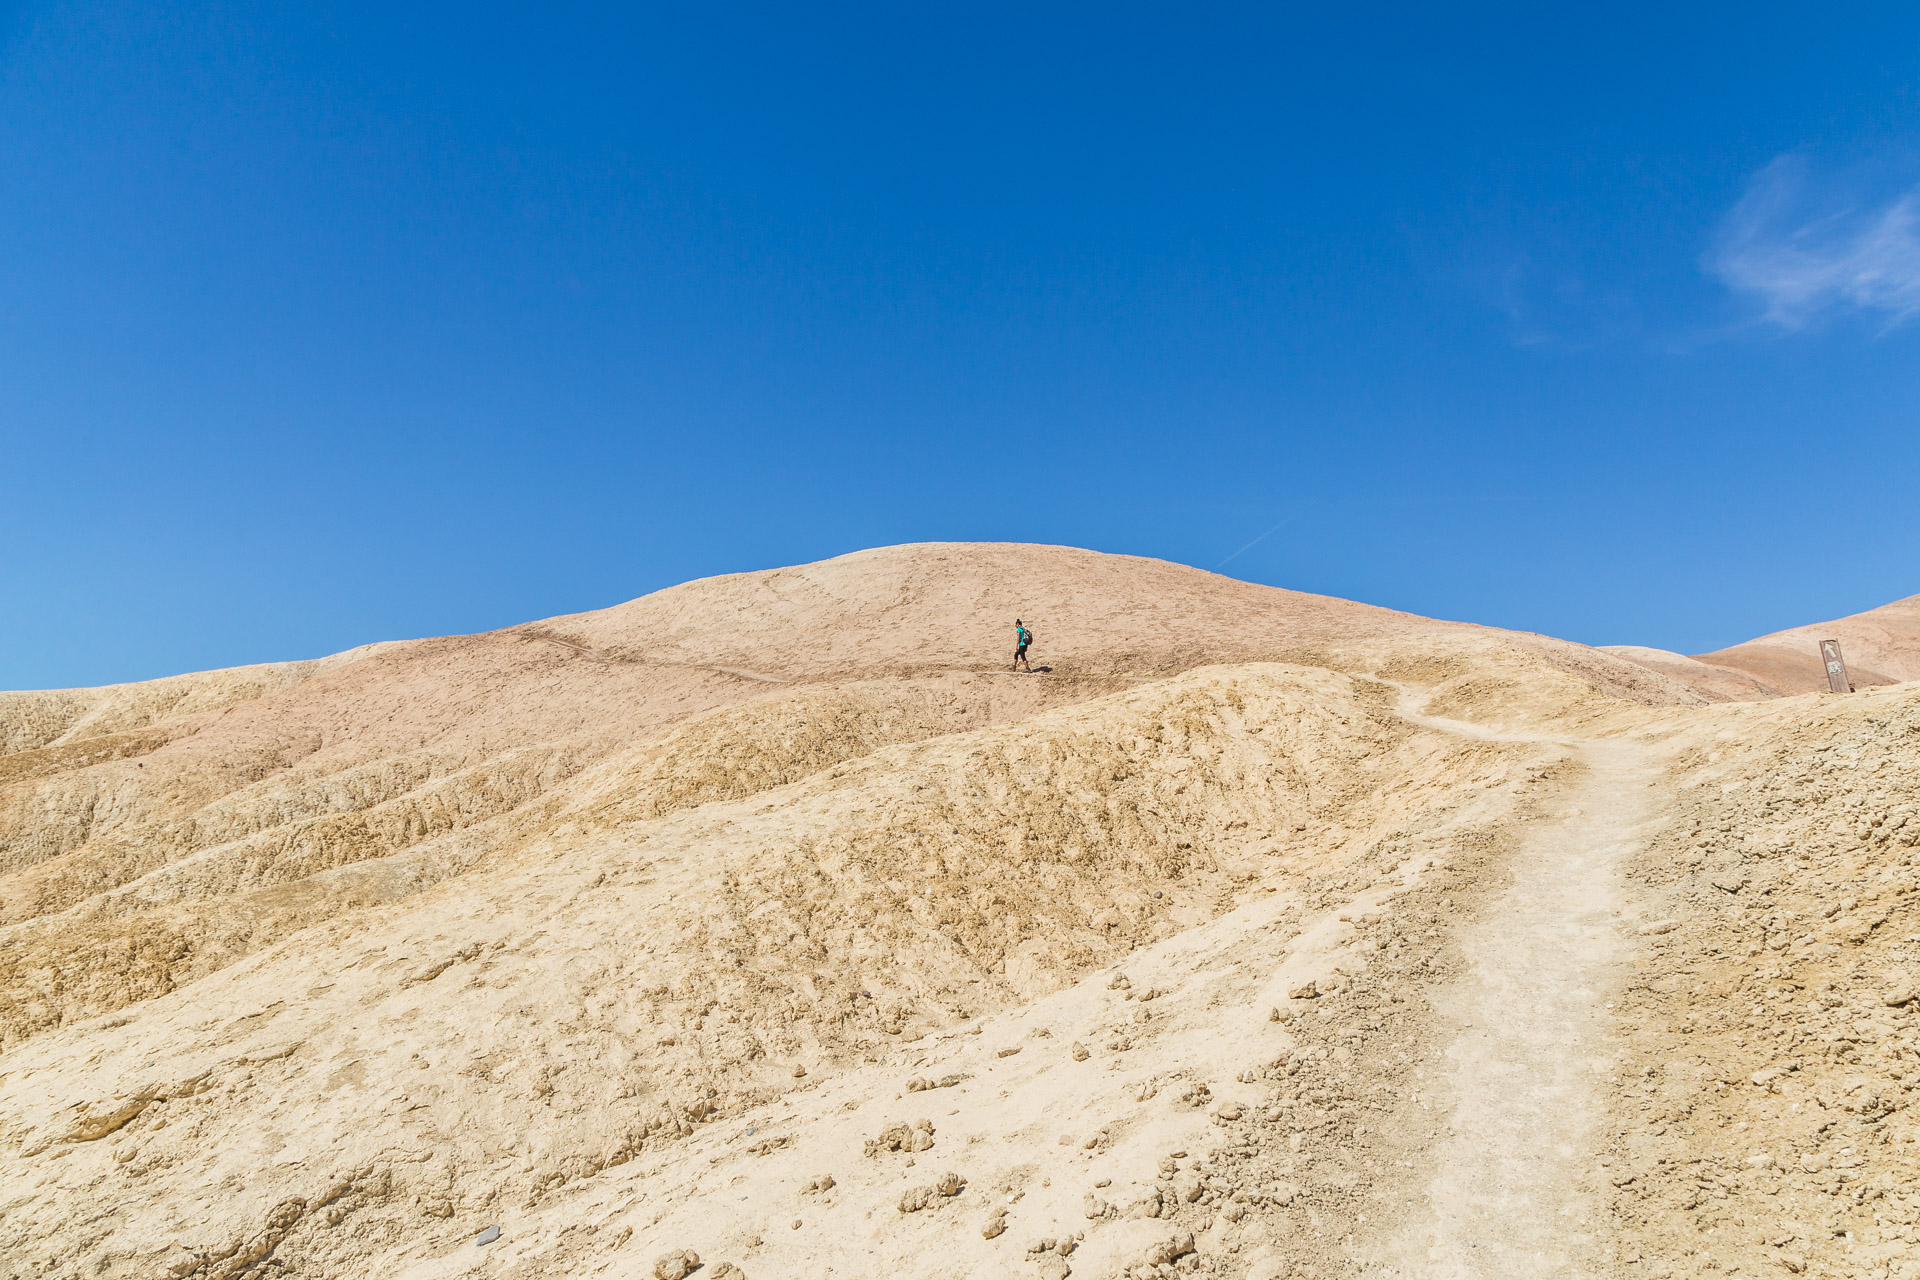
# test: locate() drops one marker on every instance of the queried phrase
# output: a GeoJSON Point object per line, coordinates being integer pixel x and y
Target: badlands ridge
{"type": "Point", "coordinates": [767, 926]}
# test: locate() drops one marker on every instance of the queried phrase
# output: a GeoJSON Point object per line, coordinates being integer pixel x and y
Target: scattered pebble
{"type": "Point", "coordinates": [900, 1137]}
{"type": "Point", "coordinates": [1170, 1250]}
{"type": "Point", "coordinates": [676, 1265]}
{"type": "Point", "coordinates": [950, 1184]}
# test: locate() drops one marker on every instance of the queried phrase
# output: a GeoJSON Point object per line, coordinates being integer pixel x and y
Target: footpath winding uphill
{"type": "Point", "coordinates": [683, 938]}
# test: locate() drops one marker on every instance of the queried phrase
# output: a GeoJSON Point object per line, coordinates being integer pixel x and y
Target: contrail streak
{"type": "Point", "coordinates": [1262, 538]}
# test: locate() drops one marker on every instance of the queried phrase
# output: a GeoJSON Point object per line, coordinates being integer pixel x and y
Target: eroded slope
{"type": "Point", "coordinates": [627, 978]}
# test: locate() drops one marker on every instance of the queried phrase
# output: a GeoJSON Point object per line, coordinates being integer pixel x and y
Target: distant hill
{"type": "Point", "coordinates": [1881, 646]}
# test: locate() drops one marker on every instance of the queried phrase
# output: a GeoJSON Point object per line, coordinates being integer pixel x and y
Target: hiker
{"type": "Point", "coordinates": [1021, 639]}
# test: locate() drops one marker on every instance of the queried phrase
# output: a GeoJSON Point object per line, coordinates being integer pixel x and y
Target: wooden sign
{"type": "Point", "coordinates": [1836, 667]}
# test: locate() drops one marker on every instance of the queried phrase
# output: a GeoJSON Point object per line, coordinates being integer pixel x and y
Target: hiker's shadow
{"type": "Point", "coordinates": [1039, 670]}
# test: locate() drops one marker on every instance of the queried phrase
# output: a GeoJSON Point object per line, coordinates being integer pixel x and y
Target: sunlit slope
{"type": "Point", "coordinates": [152, 834]}
{"type": "Point", "coordinates": [1881, 646]}
{"type": "Point", "coordinates": [625, 976]}
{"type": "Point", "coordinates": [643, 929]}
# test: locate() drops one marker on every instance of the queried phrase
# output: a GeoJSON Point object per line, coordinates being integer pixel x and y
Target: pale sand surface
{"type": "Point", "coordinates": [636, 931]}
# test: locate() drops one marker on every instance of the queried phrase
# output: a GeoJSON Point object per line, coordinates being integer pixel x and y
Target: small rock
{"type": "Point", "coordinates": [488, 1236]}
{"type": "Point", "coordinates": [1277, 1014]}
{"type": "Point", "coordinates": [676, 1265]}
{"type": "Point", "coordinates": [1227, 1111]}
{"type": "Point", "coordinates": [1170, 1250]}
{"type": "Point", "coordinates": [799, 1073]}
{"type": "Point", "coordinates": [1658, 927]}
{"type": "Point", "coordinates": [822, 1183]}
{"type": "Point", "coordinates": [727, 1271]}
{"type": "Point", "coordinates": [1148, 1206]}
{"type": "Point", "coordinates": [995, 1226]}
{"type": "Point", "coordinates": [900, 1137]}
{"type": "Point", "coordinates": [1898, 997]}
{"type": "Point", "coordinates": [1054, 1268]}
{"type": "Point", "coordinates": [950, 1184]}
{"type": "Point", "coordinates": [1305, 991]}
{"type": "Point", "coordinates": [1079, 1052]}
{"type": "Point", "coordinates": [1008, 1053]}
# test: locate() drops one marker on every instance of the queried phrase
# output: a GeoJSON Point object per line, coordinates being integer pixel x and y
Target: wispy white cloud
{"type": "Point", "coordinates": [1802, 249]}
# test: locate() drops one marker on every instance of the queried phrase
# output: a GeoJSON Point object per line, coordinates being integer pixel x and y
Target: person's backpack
{"type": "Point", "coordinates": [1026, 636]}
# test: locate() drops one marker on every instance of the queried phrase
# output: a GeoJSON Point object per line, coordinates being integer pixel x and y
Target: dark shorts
{"type": "Point", "coordinates": [1020, 652]}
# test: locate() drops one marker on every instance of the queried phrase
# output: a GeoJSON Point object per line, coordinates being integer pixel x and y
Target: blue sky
{"type": "Point", "coordinates": [323, 324]}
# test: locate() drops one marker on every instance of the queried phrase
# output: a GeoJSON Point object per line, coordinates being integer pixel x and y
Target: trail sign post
{"type": "Point", "coordinates": [1836, 667]}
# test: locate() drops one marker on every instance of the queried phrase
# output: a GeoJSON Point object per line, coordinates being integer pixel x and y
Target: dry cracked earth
{"type": "Point", "coordinates": [1337, 943]}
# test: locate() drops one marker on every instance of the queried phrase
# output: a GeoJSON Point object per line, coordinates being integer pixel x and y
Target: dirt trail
{"type": "Point", "coordinates": [1510, 1194]}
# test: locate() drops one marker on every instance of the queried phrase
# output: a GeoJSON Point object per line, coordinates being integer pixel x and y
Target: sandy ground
{"type": "Point", "coordinates": [767, 918]}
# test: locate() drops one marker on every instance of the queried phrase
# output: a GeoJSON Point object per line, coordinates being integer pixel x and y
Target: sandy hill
{"type": "Point", "coordinates": [1881, 646]}
{"type": "Point", "coordinates": [770, 917]}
